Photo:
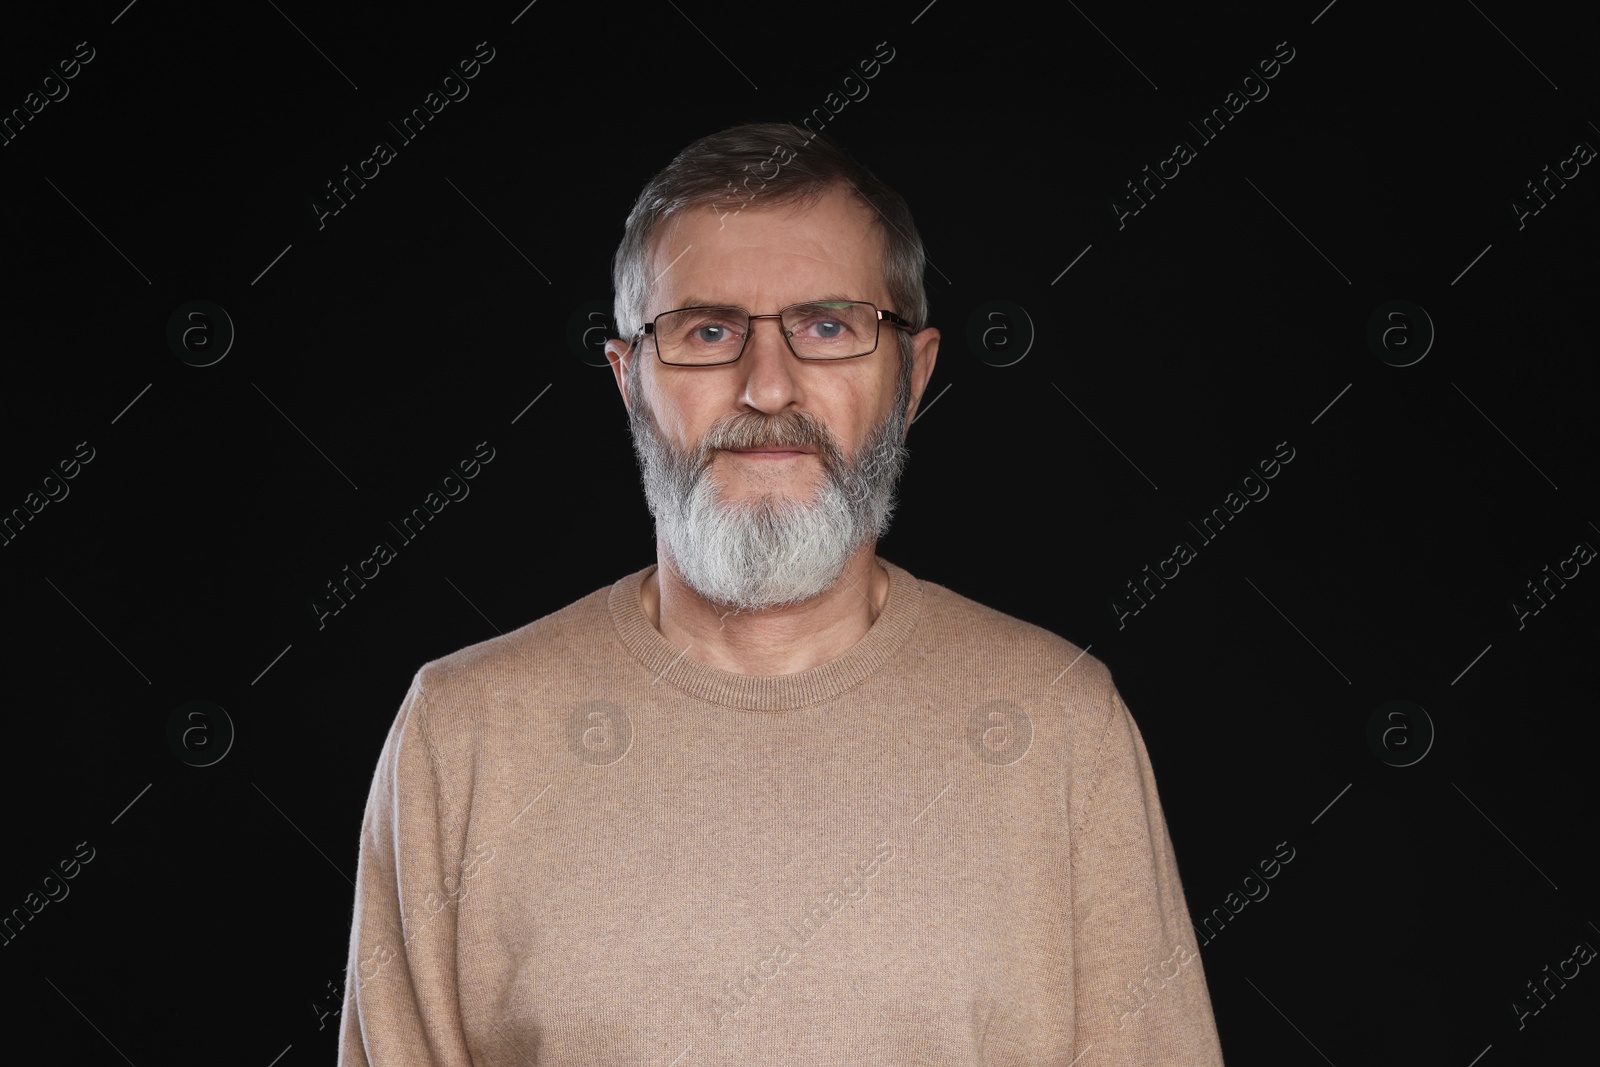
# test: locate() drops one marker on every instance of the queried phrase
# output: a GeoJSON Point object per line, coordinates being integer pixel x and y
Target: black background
{"type": "Point", "coordinates": [1179, 349]}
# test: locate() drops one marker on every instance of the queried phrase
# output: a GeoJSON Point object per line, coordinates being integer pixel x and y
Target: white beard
{"type": "Point", "coordinates": [774, 550]}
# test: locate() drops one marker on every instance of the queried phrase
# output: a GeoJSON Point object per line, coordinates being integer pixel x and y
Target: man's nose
{"type": "Point", "coordinates": [769, 366]}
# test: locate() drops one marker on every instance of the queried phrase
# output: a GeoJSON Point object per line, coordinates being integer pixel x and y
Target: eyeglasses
{"type": "Point", "coordinates": [820, 330]}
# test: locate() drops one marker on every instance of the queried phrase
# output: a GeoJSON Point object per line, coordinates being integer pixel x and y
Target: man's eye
{"type": "Point", "coordinates": [823, 329]}
{"type": "Point", "coordinates": [713, 331]}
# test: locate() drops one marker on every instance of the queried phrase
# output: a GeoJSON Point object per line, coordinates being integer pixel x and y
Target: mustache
{"type": "Point", "coordinates": [790, 429]}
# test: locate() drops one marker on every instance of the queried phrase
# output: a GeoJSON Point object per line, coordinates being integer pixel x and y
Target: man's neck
{"type": "Point", "coordinates": [777, 641]}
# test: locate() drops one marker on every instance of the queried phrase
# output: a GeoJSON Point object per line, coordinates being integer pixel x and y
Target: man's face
{"type": "Point", "coordinates": [767, 474]}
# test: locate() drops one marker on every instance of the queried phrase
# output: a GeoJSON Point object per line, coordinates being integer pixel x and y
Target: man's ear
{"type": "Point", "coordinates": [621, 359]}
{"type": "Point", "coordinates": [924, 352]}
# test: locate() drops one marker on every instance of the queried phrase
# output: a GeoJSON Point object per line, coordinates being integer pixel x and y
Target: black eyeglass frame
{"type": "Point", "coordinates": [649, 329]}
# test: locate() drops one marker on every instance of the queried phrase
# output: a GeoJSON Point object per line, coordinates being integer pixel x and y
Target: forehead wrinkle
{"type": "Point", "coordinates": [743, 259]}
{"type": "Point", "coordinates": [693, 301]}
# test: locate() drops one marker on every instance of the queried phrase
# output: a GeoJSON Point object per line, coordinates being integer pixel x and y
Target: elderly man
{"type": "Point", "coordinates": [772, 799]}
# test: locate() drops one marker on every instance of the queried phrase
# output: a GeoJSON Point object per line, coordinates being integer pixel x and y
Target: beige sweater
{"type": "Point", "coordinates": [944, 847]}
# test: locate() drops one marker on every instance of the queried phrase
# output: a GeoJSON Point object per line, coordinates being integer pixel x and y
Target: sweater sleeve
{"type": "Point", "coordinates": [1140, 990]}
{"type": "Point", "coordinates": [400, 1006]}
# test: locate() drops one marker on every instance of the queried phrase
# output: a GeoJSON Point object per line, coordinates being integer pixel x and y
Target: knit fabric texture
{"type": "Point", "coordinates": [944, 847]}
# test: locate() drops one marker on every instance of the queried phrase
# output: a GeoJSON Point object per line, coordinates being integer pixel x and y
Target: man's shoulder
{"type": "Point", "coordinates": [552, 650]}
{"type": "Point", "coordinates": [969, 628]}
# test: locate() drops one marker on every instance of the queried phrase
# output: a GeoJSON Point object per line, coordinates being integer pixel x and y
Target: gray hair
{"type": "Point", "coordinates": [767, 163]}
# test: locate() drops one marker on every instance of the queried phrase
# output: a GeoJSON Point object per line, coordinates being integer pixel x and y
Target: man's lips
{"type": "Point", "coordinates": [775, 452]}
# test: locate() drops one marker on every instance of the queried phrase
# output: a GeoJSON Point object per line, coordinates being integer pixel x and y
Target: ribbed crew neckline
{"type": "Point", "coordinates": [767, 692]}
